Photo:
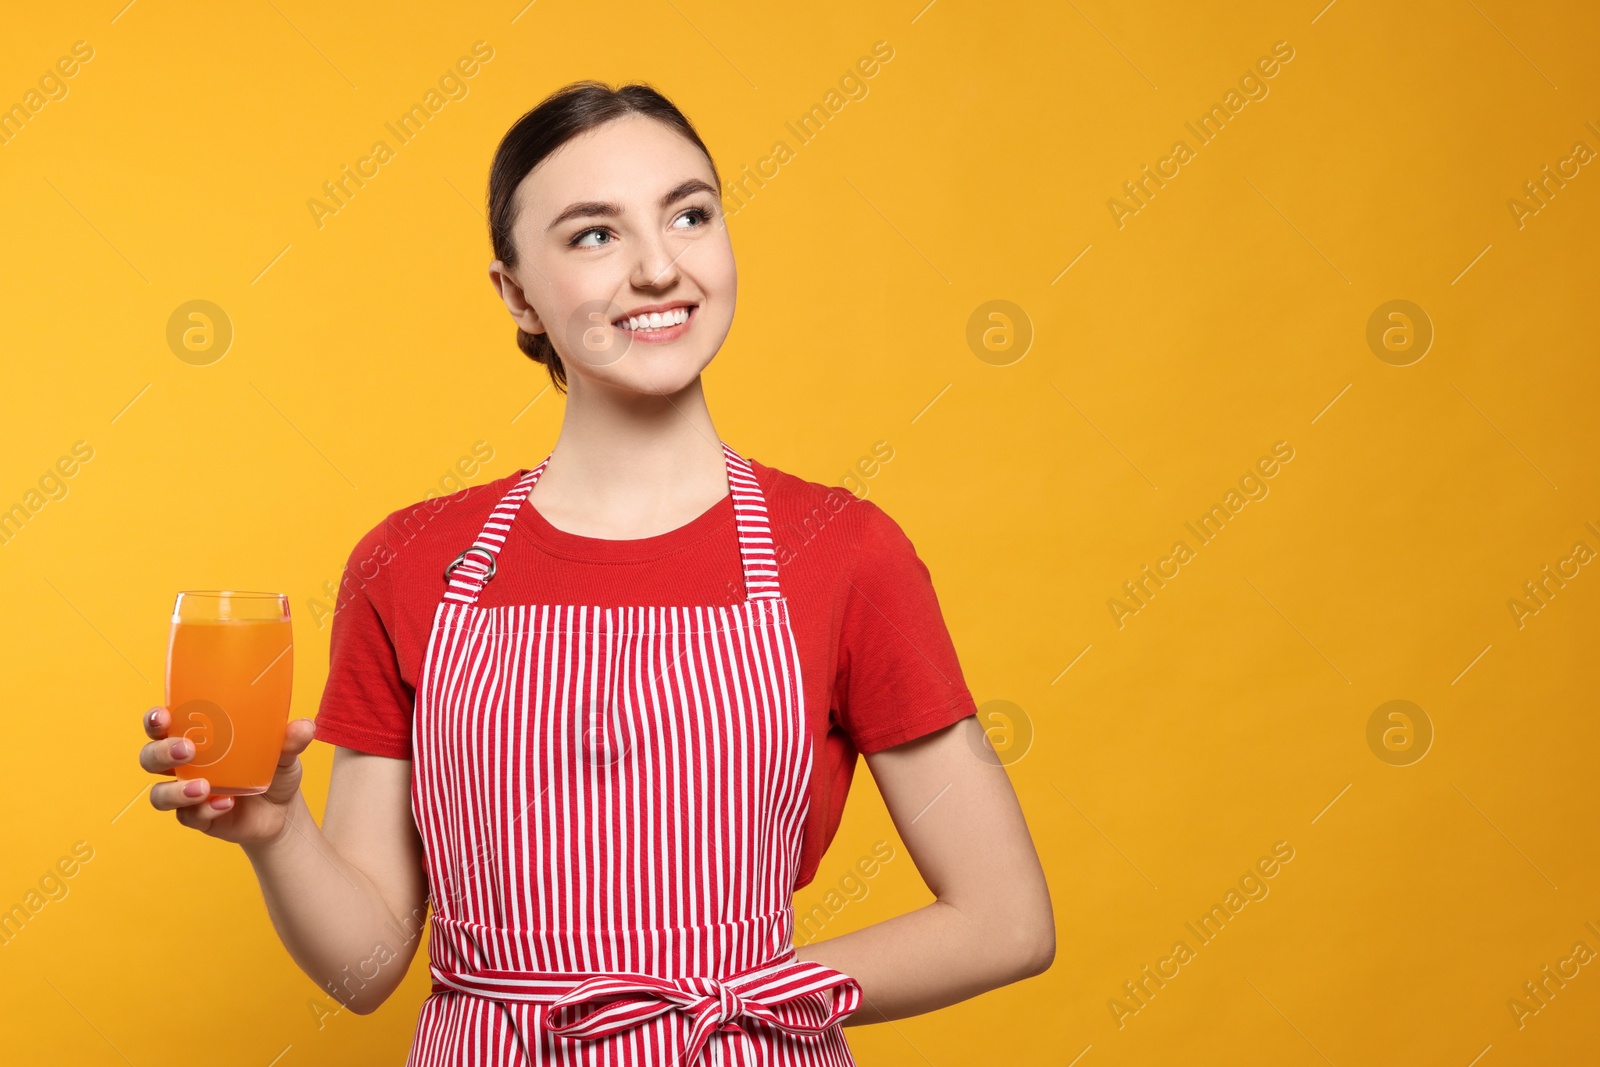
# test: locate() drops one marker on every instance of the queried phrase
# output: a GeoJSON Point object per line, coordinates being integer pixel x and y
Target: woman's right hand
{"type": "Point", "coordinates": [249, 820]}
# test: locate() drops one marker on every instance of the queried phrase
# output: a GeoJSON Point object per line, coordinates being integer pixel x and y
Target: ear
{"type": "Point", "coordinates": [516, 300]}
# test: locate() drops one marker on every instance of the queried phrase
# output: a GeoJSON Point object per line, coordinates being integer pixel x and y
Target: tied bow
{"type": "Point", "coordinates": [799, 997]}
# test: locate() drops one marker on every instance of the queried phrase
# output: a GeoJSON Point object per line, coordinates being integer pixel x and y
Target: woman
{"type": "Point", "coordinates": [607, 805]}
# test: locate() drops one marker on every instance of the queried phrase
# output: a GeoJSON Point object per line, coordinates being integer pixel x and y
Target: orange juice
{"type": "Point", "coordinates": [228, 690]}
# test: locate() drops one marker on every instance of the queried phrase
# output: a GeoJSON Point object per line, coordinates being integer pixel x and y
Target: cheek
{"type": "Point", "coordinates": [730, 273]}
{"type": "Point", "coordinates": [710, 265]}
{"type": "Point", "coordinates": [569, 296]}
{"type": "Point", "coordinates": [568, 281]}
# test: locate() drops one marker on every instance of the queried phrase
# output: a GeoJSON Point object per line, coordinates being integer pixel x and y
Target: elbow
{"type": "Point", "coordinates": [1043, 954]}
{"type": "Point", "coordinates": [368, 1000]}
{"type": "Point", "coordinates": [364, 986]}
{"type": "Point", "coordinates": [362, 996]}
{"type": "Point", "coordinates": [1034, 947]}
{"type": "Point", "coordinates": [366, 1005]}
{"type": "Point", "coordinates": [1023, 944]}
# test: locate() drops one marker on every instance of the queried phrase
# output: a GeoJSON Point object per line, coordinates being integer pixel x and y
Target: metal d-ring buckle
{"type": "Point", "coordinates": [453, 564]}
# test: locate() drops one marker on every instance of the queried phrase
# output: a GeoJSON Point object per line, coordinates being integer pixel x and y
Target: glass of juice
{"type": "Point", "coordinates": [230, 661]}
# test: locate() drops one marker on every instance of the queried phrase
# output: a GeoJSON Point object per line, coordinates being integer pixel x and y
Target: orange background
{"type": "Point", "coordinates": [1158, 756]}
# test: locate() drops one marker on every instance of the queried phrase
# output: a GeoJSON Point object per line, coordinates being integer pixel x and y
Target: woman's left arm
{"type": "Point", "coordinates": [990, 923]}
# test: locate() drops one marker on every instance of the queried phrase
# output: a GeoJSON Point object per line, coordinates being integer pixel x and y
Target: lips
{"type": "Point", "coordinates": [649, 309]}
{"type": "Point", "coordinates": [667, 332]}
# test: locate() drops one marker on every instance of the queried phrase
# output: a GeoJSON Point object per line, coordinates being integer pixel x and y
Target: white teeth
{"type": "Point", "coordinates": [655, 320]}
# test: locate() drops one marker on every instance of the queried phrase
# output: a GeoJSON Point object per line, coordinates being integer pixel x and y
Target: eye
{"type": "Point", "coordinates": [703, 214]}
{"type": "Point", "coordinates": [577, 239]}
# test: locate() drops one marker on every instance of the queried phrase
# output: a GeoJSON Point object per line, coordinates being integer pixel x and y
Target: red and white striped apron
{"type": "Point", "coordinates": [610, 802]}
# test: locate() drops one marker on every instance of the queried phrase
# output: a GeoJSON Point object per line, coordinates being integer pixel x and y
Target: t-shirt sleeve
{"type": "Point", "coordinates": [898, 676]}
{"type": "Point", "coordinates": [367, 703]}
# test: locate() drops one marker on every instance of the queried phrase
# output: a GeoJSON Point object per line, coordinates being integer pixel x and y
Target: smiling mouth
{"type": "Point", "coordinates": [656, 321]}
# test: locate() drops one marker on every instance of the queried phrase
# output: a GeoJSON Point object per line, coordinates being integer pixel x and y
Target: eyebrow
{"type": "Point", "coordinates": [606, 209]}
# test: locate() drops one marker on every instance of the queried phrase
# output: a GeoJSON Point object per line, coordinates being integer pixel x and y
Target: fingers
{"type": "Point", "coordinates": [159, 757]}
{"type": "Point", "coordinates": [298, 736]}
{"type": "Point", "coordinates": [184, 795]}
{"type": "Point", "coordinates": [201, 815]}
{"type": "Point", "coordinates": [191, 799]}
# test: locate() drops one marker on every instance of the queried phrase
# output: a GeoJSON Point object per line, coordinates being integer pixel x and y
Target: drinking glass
{"type": "Point", "coordinates": [230, 661]}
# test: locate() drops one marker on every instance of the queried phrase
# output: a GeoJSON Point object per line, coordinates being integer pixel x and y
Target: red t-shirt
{"type": "Point", "coordinates": [876, 659]}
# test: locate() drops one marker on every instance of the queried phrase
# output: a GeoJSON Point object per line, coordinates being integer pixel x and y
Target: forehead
{"type": "Point", "coordinates": [631, 161]}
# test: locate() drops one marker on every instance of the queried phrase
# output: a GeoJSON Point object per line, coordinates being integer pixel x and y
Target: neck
{"type": "Point", "coordinates": [626, 466]}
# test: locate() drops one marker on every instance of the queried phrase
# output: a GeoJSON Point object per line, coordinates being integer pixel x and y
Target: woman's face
{"type": "Point", "coordinates": [622, 218]}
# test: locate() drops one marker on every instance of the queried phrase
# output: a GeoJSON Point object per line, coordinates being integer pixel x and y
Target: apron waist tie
{"type": "Point", "coordinates": [801, 997]}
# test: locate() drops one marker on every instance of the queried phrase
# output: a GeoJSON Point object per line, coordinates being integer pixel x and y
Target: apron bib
{"type": "Point", "coordinates": [611, 802]}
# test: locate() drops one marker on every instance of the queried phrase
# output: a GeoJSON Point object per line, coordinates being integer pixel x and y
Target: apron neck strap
{"type": "Point", "coordinates": [469, 572]}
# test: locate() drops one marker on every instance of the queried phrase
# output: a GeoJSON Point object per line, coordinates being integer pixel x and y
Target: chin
{"type": "Point", "coordinates": [656, 376]}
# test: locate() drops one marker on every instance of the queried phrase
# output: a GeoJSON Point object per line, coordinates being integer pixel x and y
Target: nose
{"type": "Point", "coordinates": [657, 265]}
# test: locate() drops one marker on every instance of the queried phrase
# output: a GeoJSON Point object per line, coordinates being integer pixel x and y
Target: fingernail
{"type": "Point", "coordinates": [194, 788]}
{"type": "Point", "coordinates": [180, 749]}
{"type": "Point", "coordinates": [151, 718]}
{"type": "Point", "coordinates": [221, 802]}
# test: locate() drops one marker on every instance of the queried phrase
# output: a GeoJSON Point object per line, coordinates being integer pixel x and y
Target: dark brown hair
{"type": "Point", "coordinates": [559, 117]}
